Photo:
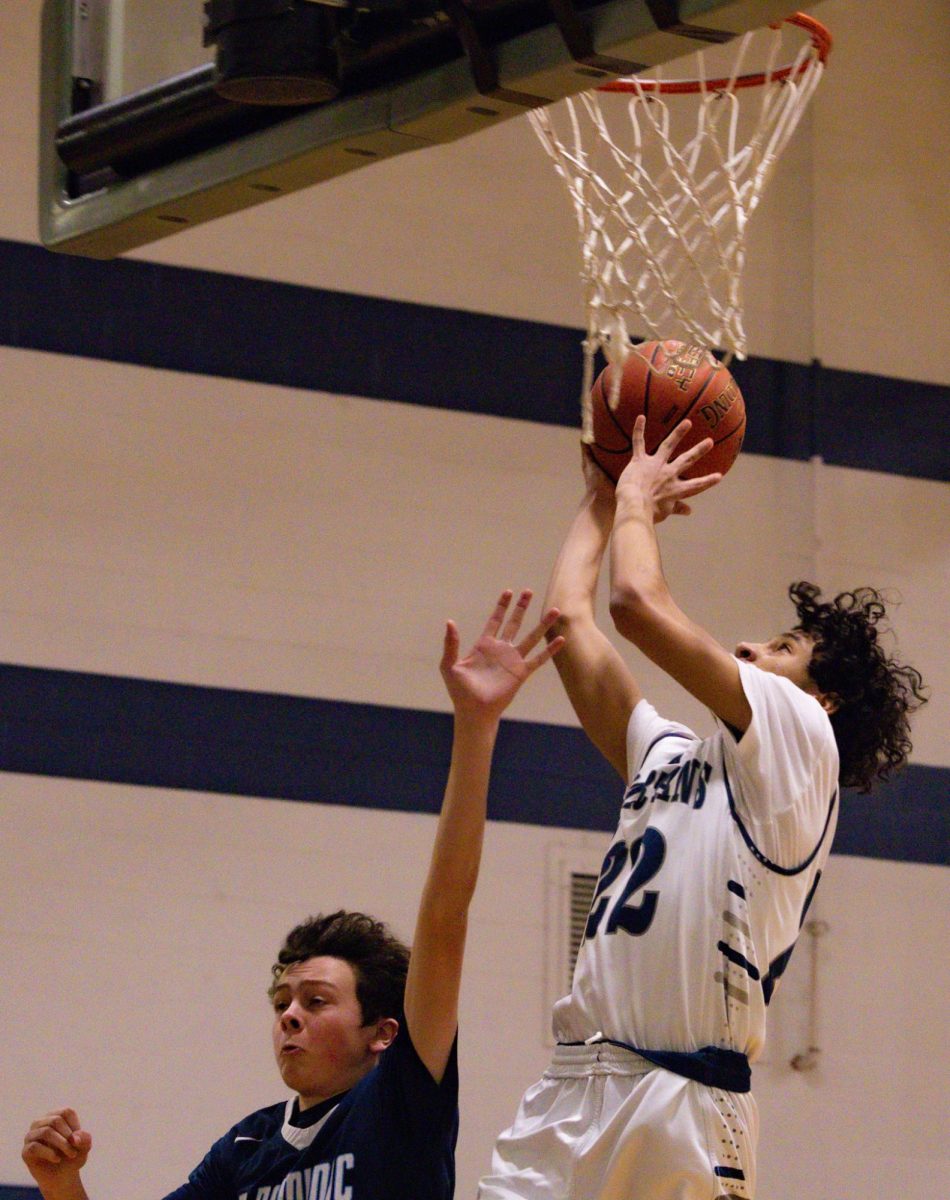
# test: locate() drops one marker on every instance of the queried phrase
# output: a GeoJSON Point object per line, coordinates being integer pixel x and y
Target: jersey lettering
{"type": "Point", "coordinates": [646, 858]}
{"type": "Point", "coordinates": [674, 783]}
{"type": "Point", "coordinates": [326, 1181]}
{"type": "Point", "coordinates": [332, 1184]}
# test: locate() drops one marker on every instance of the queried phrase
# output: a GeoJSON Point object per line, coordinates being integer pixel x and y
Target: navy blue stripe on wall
{"type": "Point", "coordinates": [208, 323]}
{"type": "Point", "coordinates": [155, 734]}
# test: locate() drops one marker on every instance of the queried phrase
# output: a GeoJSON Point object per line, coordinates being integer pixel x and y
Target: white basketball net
{"type": "Point", "coordinates": [663, 226]}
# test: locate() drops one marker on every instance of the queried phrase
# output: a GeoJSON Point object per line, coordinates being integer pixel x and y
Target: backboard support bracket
{"type": "Point", "coordinates": [90, 25]}
{"type": "Point", "coordinates": [666, 13]}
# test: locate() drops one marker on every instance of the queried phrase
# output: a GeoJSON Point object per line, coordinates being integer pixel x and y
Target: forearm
{"type": "Point", "coordinates": [438, 948]}
{"type": "Point", "coordinates": [573, 584]}
{"type": "Point", "coordinates": [599, 685]}
{"type": "Point", "coordinates": [636, 568]}
{"type": "Point", "coordinates": [456, 854]}
{"type": "Point", "coordinates": [646, 614]}
{"type": "Point", "coordinates": [641, 604]}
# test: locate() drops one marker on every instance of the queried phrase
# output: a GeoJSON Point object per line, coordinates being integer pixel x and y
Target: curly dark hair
{"type": "Point", "coordinates": [379, 959]}
{"type": "Point", "coordinates": [874, 693]}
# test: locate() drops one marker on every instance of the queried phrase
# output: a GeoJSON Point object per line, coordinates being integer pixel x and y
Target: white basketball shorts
{"type": "Point", "coordinates": [605, 1124]}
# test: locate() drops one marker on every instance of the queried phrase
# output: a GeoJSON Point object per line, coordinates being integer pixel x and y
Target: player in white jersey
{"type": "Point", "coordinates": [717, 855]}
{"type": "Point", "coordinates": [366, 1045]}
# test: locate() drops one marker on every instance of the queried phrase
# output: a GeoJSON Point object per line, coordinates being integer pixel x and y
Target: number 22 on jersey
{"type": "Point", "coordinates": [629, 912]}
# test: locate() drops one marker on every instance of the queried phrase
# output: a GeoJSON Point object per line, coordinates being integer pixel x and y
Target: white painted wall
{"type": "Point", "coordinates": [882, 239]}
{"type": "Point", "coordinates": [215, 532]}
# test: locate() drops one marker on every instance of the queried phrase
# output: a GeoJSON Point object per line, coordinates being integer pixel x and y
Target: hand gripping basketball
{"type": "Point", "coordinates": [665, 480]}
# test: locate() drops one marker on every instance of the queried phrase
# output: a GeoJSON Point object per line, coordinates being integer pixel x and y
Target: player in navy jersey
{"type": "Point", "coordinates": [718, 851]}
{"type": "Point", "coordinates": [364, 1033]}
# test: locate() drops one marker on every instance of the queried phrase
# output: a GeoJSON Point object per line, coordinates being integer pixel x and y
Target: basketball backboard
{"type": "Point", "coordinates": [146, 130]}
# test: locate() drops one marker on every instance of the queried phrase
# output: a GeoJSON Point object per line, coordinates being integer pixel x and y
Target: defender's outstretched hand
{"type": "Point", "coordinates": [487, 679]}
{"type": "Point", "coordinates": [657, 479]}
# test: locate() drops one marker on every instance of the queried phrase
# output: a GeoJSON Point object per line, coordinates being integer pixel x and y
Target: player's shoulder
{"type": "Point", "coordinates": [650, 735]}
{"type": "Point", "coordinates": [258, 1125]}
{"type": "Point", "coordinates": [230, 1151]}
{"type": "Point", "coordinates": [775, 699]}
{"type": "Point", "coordinates": [405, 1092]}
{"type": "Point", "coordinates": [403, 1057]}
{"type": "Point", "coordinates": [789, 747]}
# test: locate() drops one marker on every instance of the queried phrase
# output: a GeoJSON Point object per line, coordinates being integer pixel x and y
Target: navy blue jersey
{"type": "Point", "coordinates": [391, 1137]}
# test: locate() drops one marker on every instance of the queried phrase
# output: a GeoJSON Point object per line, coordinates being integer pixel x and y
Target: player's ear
{"type": "Point", "coordinates": [829, 701]}
{"type": "Point", "coordinates": [384, 1034]}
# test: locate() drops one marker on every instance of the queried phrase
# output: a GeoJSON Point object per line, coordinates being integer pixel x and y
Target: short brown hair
{"type": "Point", "coordinates": [379, 959]}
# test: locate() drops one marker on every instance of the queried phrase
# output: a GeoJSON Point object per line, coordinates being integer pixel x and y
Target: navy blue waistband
{"type": "Point", "coordinates": [709, 1065]}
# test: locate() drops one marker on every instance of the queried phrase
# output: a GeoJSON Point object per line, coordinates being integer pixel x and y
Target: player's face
{"type": "Point", "coordinates": [788, 654]}
{"type": "Point", "coordinates": [321, 1045]}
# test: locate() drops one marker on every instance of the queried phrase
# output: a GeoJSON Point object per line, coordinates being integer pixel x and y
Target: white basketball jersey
{"type": "Point", "coordinates": [704, 890]}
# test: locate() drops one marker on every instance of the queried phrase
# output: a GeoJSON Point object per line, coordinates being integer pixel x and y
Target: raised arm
{"type": "Point", "coordinates": [481, 686]}
{"type": "Point", "coordinates": [644, 611]}
{"type": "Point", "coordinates": [55, 1150]}
{"type": "Point", "coordinates": [599, 685]}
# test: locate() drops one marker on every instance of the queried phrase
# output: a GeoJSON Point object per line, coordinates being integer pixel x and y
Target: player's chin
{"type": "Point", "coordinates": [291, 1070]}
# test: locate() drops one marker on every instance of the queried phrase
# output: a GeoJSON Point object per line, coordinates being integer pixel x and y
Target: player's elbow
{"type": "Point", "coordinates": [633, 610]}
{"type": "Point", "coordinates": [445, 918]}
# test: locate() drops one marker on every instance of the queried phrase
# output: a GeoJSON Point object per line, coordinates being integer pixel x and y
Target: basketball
{"type": "Point", "coordinates": [667, 382]}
